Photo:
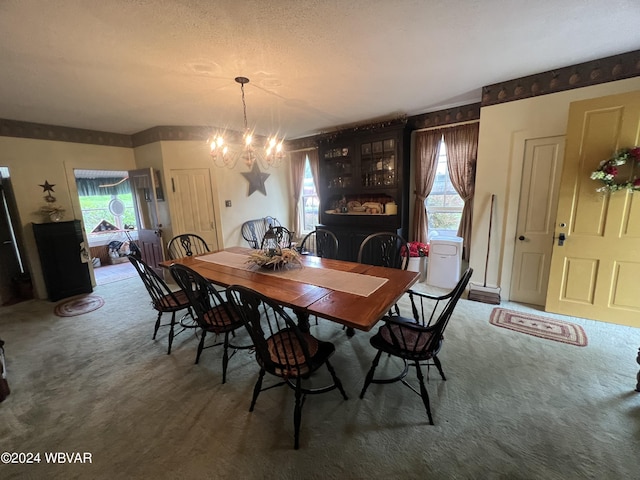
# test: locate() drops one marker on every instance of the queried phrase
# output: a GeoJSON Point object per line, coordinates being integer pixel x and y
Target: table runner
{"type": "Point", "coordinates": [355, 283]}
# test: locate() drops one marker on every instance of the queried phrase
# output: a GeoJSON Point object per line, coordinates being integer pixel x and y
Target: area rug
{"type": "Point", "coordinates": [537, 326]}
{"type": "Point", "coordinates": [79, 306]}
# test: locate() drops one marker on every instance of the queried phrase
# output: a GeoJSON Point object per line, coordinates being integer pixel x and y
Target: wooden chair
{"type": "Point", "coordinates": [213, 313]}
{"type": "Point", "coordinates": [384, 249]}
{"type": "Point", "coordinates": [163, 299]}
{"type": "Point", "coordinates": [417, 339]}
{"type": "Point", "coordinates": [282, 349]}
{"type": "Point", "coordinates": [186, 245]}
{"type": "Point", "coordinates": [320, 243]}
{"type": "Point", "coordinates": [253, 230]}
{"type": "Point", "coordinates": [277, 235]}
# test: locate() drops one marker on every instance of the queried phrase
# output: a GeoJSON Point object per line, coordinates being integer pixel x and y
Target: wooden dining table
{"type": "Point", "coordinates": [355, 310]}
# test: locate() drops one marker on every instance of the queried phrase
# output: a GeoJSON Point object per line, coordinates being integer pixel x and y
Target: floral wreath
{"type": "Point", "coordinates": [608, 170]}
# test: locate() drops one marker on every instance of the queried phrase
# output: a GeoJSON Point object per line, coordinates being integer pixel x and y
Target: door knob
{"type": "Point", "coordinates": [561, 239]}
{"type": "Point", "coordinates": [521, 238]}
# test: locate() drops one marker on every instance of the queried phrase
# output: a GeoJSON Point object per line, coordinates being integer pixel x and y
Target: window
{"type": "Point", "coordinates": [310, 203]}
{"type": "Point", "coordinates": [444, 205]}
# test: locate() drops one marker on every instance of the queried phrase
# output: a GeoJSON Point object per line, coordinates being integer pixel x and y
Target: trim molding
{"type": "Point", "coordinates": [40, 131]}
{"type": "Point", "coordinates": [609, 69]}
{"type": "Point", "coordinates": [465, 113]}
{"type": "Point", "coordinates": [169, 133]}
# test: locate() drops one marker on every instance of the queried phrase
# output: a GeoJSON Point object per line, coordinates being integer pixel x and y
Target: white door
{"type": "Point", "coordinates": [536, 217]}
{"type": "Point", "coordinates": [193, 204]}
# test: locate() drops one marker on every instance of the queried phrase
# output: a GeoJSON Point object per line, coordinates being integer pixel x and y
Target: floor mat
{"type": "Point", "coordinates": [537, 326]}
{"type": "Point", "coordinates": [79, 306]}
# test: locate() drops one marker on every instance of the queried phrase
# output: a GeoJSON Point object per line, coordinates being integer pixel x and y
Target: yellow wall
{"type": "Point", "coordinates": [504, 128]}
{"type": "Point", "coordinates": [31, 162]}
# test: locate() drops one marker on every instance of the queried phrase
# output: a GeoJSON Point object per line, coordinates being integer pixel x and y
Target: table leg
{"type": "Point", "coordinates": [303, 320]}
{"type": "Point", "coordinates": [638, 376]}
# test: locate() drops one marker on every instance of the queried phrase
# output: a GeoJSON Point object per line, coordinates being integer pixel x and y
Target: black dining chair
{"type": "Point", "coordinates": [320, 243]}
{"type": "Point", "coordinates": [418, 339]}
{"type": "Point", "coordinates": [384, 249]}
{"type": "Point", "coordinates": [277, 236]}
{"type": "Point", "coordinates": [282, 349]}
{"type": "Point", "coordinates": [163, 299]}
{"type": "Point", "coordinates": [186, 245]}
{"type": "Point", "coordinates": [253, 230]}
{"type": "Point", "coordinates": [213, 313]}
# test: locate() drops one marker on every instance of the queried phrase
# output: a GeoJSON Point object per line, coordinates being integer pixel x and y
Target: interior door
{"type": "Point", "coordinates": [10, 262]}
{"type": "Point", "coordinates": [594, 271]}
{"type": "Point", "coordinates": [193, 204]}
{"type": "Point", "coordinates": [536, 219]}
{"type": "Point", "coordinates": [143, 189]}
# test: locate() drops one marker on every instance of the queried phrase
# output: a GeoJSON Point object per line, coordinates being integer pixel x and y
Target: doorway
{"type": "Point", "coordinates": [109, 219]}
{"type": "Point", "coordinates": [15, 281]}
{"type": "Point", "coordinates": [536, 219]}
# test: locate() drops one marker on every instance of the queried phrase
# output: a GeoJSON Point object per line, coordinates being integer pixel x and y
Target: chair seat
{"type": "Point", "coordinates": [220, 319]}
{"type": "Point", "coordinates": [399, 339]}
{"type": "Point", "coordinates": [286, 352]}
{"type": "Point", "coordinates": [170, 303]}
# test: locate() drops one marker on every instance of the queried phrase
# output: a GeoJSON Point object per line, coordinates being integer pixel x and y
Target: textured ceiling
{"type": "Point", "coordinates": [124, 66]}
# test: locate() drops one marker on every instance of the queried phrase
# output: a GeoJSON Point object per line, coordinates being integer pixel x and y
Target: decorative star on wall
{"type": "Point", "coordinates": [47, 187]}
{"type": "Point", "coordinates": [256, 180]}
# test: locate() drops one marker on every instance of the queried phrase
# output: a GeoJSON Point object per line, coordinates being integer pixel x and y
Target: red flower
{"type": "Point", "coordinates": [636, 182]}
{"type": "Point", "coordinates": [635, 152]}
{"type": "Point", "coordinates": [417, 249]}
{"type": "Point", "coordinates": [611, 170]}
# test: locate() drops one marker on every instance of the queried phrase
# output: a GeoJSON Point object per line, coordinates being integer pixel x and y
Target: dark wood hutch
{"type": "Point", "coordinates": [364, 183]}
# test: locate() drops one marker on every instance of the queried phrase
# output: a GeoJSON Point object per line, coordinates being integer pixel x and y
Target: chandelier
{"type": "Point", "coordinates": [270, 156]}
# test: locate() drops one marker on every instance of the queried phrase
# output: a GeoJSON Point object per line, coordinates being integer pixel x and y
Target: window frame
{"type": "Point", "coordinates": [434, 210]}
{"type": "Point", "coordinates": [301, 202]}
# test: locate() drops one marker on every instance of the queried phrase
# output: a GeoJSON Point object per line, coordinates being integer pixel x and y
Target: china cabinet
{"type": "Point", "coordinates": [364, 183]}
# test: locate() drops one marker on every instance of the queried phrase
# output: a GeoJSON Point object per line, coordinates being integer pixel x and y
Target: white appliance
{"type": "Point", "coordinates": [445, 262]}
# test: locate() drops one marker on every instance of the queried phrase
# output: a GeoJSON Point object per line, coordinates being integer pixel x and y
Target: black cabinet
{"type": "Point", "coordinates": [63, 267]}
{"type": "Point", "coordinates": [364, 176]}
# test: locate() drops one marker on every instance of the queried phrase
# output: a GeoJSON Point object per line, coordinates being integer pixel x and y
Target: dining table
{"type": "Point", "coordinates": [353, 294]}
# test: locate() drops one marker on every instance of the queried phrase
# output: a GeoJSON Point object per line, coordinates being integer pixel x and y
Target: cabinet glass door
{"type": "Point", "coordinates": [378, 163]}
{"type": "Point", "coordinates": [338, 167]}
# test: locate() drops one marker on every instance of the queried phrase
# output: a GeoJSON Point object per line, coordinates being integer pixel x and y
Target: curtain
{"type": "Point", "coordinates": [314, 163]}
{"type": "Point", "coordinates": [426, 156]}
{"type": "Point", "coordinates": [462, 152]}
{"type": "Point", "coordinates": [297, 177]}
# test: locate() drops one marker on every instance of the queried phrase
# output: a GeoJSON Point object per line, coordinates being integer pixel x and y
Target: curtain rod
{"type": "Point", "coordinates": [451, 125]}
{"type": "Point", "coordinates": [308, 149]}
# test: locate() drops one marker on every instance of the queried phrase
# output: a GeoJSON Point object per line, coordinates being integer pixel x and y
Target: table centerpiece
{"type": "Point", "coordinates": [275, 258]}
